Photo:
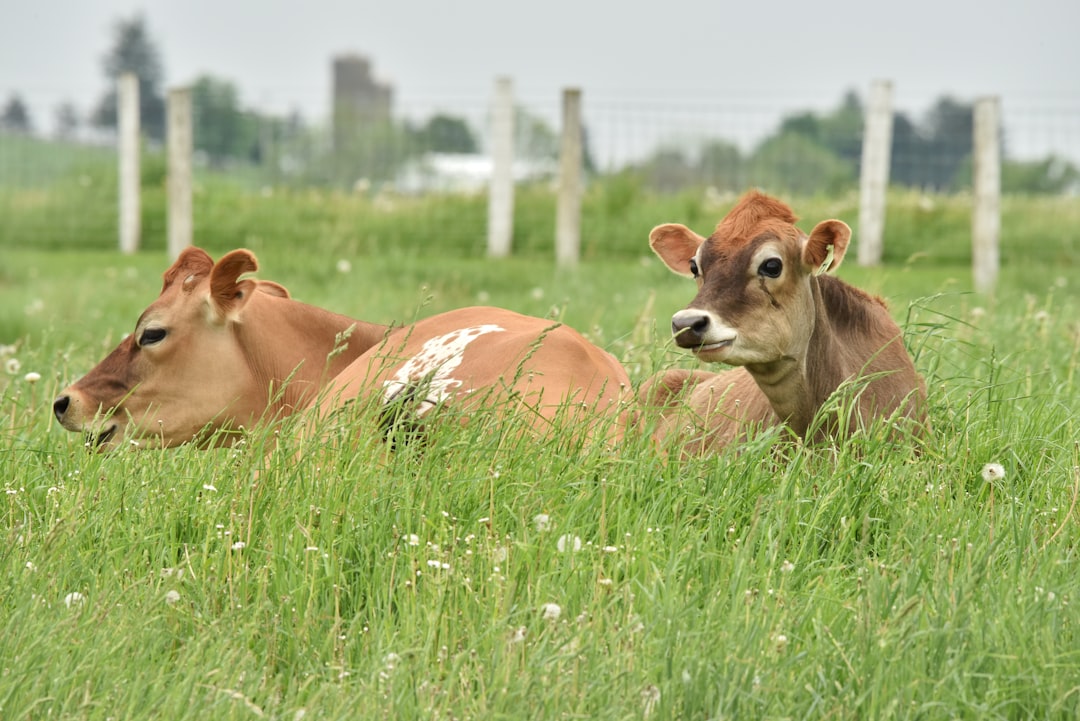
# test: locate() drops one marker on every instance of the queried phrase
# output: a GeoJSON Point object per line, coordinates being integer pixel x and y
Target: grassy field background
{"type": "Point", "coordinates": [479, 576]}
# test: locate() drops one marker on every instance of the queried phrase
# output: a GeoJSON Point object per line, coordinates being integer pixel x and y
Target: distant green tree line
{"type": "Point", "coordinates": [812, 152]}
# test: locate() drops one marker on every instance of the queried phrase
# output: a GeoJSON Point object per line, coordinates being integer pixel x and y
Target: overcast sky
{"type": "Point", "coordinates": [438, 53]}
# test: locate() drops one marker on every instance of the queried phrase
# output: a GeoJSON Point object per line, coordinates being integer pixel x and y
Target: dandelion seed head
{"type": "Point", "coordinates": [344, 266]}
{"type": "Point", "coordinates": [569, 543]}
{"type": "Point", "coordinates": [73, 599]}
{"type": "Point", "coordinates": [239, 546]}
{"type": "Point", "coordinates": [32, 377]}
{"type": "Point", "coordinates": [551, 611]}
{"type": "Point", "coordinates": [172, 597]}
{"type": "Point", "coordinates": [12, 366]}
{"type": "Point", "coordinates": [542, 521]}
{"type": "Point", "coordinates": [650, 697]}
{"type": "Point", "coordinates": [993, 472]}
{"type": "Point", "coordinates": [787, 566]}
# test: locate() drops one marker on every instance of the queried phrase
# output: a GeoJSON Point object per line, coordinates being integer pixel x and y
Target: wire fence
{"type": "Point", "coordinates": [441, 146]}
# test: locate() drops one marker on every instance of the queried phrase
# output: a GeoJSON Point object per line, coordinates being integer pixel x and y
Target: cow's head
{"type": "Point", "coordinates": [755, 303]}
{"type": "Point", "coordinates": [181, 372]}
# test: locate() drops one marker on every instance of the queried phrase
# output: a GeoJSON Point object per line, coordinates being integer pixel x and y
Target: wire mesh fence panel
{"type": "Point", "coordinates": [261, 174]}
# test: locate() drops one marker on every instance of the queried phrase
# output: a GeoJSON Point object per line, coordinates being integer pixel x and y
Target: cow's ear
{"type": "Point", "coordinates": [228, 293]}
{"type": "Point", "coordinates": [828, 235]}
{"type": "Point", "coordinates": [676, 245]}
{"type": "Point", "coordinates": [271, 288]}
{"type": "Point", "coordinates": [192, 262]}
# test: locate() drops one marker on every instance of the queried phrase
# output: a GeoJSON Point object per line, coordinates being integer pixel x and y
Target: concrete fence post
{"type": "Point", "coordinates": [986, 181]}
{"type": "Point", "coordinates": [127, 129]}
{"type": "Point", "coordinates": [874, 176]}
{"type": "Point", "coordinates": [501, 190]}
{"type": "Point", "coordinates": [179, 171]}
{"type": "Point", "coordinates": [568, 211]}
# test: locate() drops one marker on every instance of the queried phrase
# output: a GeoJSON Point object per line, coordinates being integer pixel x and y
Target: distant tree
{"type": "Point", "coordinates": [67, 121]}
{"type": "Point", "coordinates": [796, 164]}
{"type": "Point", "coordinates": [668, 170]}
{"type": "Point", "coordinates": [840, 131]}
{"type": "Point", "coordinates": [447, 134]}
{"type": "Point", "coordinates": [948, 132]}
{"type": "Point", "coordinates": [533, 137]}
{"type": "Point", "coordinates": [907, 154]}
{"type": "Point", "coordinates": [221, 129]}
{"type": "Point", "coordinates": [15, 117]}
{"type": "Point", "coordinates": [1049, 175]}
{"type": "Point", "coordinates": [722, 166]}
{"type": "Point", "coordinates": [134, 51]}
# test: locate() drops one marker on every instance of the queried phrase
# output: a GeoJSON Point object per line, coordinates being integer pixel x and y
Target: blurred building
{"type": "Point", "coordinates": [359, 100]}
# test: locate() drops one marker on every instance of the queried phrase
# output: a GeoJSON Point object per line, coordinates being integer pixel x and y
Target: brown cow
{"type": "Point", "coordinates": [538, 370]}
{"type": "Point", "coordinates": [212, 353]}
{"type": "Point", "coordinates": [215, 352]}
{"type": "Point", "coordinates": [764, 304]}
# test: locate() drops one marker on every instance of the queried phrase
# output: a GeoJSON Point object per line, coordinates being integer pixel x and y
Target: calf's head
{"type": "Point", "coordinates": [755, 304]}
{"type": "Point", "coordinates": [182, 371]}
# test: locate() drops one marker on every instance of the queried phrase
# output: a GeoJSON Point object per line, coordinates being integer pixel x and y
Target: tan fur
{"type": "Point", "coordinates": [236, 351]}
{"type": "Point", "coordinates": [239, 351]}
{"type": "Point", "coordinates": [539, 371]}
{"type": "Point", "coordinates": [798, 336]}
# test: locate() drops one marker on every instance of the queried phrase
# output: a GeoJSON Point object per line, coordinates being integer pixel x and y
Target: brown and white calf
{"type": "Point", "coordinates": [765, 304]}
{"type": "Point", "coordinates": [217, 351]}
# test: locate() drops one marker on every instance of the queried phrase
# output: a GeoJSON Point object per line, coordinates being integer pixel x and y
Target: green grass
{"type": "Point", "coordinates": [865, 580]}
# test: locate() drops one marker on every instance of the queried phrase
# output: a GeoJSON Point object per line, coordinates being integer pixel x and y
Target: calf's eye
{"type": "Point", "coordinates": [693, 268]}
{"type": "Point", "coordinates": [150, 336]}
{"type": "Point", "coordinates": [771, 268]}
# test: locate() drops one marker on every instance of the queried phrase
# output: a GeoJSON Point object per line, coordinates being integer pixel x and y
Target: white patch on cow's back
{"type": "Point", "coordinates": [434, 364]}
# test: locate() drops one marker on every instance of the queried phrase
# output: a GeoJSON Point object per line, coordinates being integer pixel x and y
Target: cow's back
{"type": "Point", "coordinates": [524, 367]}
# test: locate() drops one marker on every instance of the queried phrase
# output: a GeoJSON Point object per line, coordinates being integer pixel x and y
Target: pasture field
{"type": "Point", "coordinates": [480, 575]}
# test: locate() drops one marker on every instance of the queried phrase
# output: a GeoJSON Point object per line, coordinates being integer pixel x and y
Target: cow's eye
{"type": "Point", "coordinates": [771, 268]}
{"type": "Point", "coordinates": [693, 268]}
{"type": "Point", "coordinates": [150, 336]}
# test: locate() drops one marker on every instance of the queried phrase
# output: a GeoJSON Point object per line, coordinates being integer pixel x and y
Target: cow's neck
{"type": "Point", "coordinates": [294, 349]}
{"type": "Point", "coordinates": [798, 385]}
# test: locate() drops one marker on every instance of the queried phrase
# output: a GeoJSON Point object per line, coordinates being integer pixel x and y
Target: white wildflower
{"type": "Point", "coordinates": [787, 566]}
{"type": "Point", "coordinates": [551, 611]}
{"type": "Point", "coordinates": [239, 546]}
{"type": "Point", "coordinates": [650, 697]}
{"type": "Point", "coordinates": [542, 522]}
{"type": "Point", "coordinates": [568, 543]}
{"type": "Point", "coordinates": [172, 597]}
{"type": "Point", "coordinates": [993, 472]}
{"type": "Point", "coordinates": [518, 635]}
{"type": "Point", "coordinates": [32, 377]}
{"type": "Point", "coordinates": [73, 599]}
{"type": "Point", "coordinates": [209, 487]}
{"type": "Point", "coordinates": [12, 366]}
{"type": "Point", "coordinates": [412, 539]}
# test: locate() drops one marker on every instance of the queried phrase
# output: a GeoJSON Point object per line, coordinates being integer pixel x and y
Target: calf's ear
{"type": "Point", "coordinates": [828, 235]}
{"type": "Point", "coordinates": [191, 263]}
{"type": "Point", "coordinates": [271, 288]}
{"type": "Point", "coordinates": [676, 245]}
{"type": "Point", "coordinates": [228, 293]}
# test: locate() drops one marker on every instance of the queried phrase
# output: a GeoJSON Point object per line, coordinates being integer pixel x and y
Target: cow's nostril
{"type": "Point", "coordinates": [693, 324]}
{"type": "Point", "coordinates": [60, 406]}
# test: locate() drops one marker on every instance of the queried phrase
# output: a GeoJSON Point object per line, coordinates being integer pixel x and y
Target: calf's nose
{"type": "Point", "coordinates": [60, 406]}
{"type": "Point", "coordinates": [689, 327]}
